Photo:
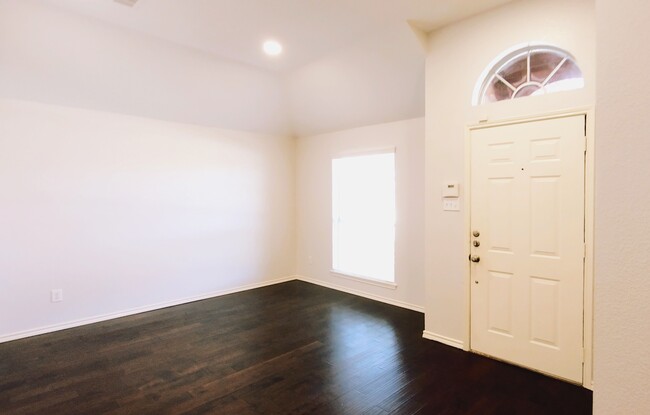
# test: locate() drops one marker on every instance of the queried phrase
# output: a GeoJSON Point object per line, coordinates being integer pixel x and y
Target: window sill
{"type": "Point", "coordinates": [365, 280]}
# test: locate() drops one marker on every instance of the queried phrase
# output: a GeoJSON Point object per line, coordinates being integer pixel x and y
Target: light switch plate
{"type": "Point", "coordinates": [451, 204]}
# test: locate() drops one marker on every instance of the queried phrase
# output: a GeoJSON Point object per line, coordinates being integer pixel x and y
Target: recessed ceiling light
{"type": "Point", "coordinates": [272, 48]}
{"type": "Point", "coordinates": [129, 3]}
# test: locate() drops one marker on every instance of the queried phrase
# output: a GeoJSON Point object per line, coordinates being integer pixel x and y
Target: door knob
{"type": "Point", "coordinates": [476, 234]}
{"type": "Point", "coordinates": [476, 244]}
{"type": "Point", "coordinates": [474, 258]}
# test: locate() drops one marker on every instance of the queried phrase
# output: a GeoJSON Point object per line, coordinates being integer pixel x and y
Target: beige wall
{"type": "Point", "coordinates": [127, 213]}
{"type": "Point", "coordinates": [458, 55]}
{"type": "Point", "coordinates": [622, 359]}
{"type": "Point", "coordinates": [314, 207]}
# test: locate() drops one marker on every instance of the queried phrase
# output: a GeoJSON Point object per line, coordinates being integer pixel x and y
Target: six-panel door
{"type": "Point", "coordinates": [527, 204]}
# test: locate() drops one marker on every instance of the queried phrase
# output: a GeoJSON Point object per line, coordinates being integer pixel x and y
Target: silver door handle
{"type": "Point", "coordinates": [474, 258]}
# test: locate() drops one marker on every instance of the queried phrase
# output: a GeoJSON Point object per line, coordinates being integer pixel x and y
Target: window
{"type": "Point", "coordinates": [363, 216]}
{"type": "Point", "coordinates": [533, 70]}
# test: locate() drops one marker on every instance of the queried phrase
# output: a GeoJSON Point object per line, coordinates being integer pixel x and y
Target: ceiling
{"type": "Point", "coordinates": [346, 63]}
{"type": "Point", "coordinates": [308, 29]}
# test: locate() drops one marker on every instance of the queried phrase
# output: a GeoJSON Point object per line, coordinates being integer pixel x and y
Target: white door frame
{"type": "Point", "coordinates": [588, 319]}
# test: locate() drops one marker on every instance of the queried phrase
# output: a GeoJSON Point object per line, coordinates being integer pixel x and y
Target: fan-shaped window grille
{"type": "Point", "coordinates": [534, 70]}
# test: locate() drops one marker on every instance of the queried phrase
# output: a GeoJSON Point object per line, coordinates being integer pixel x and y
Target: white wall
{"type": "Point", "coordinates": [124, 213]}
{"type": "Point", "coordinates": [458, 55]}
{"type": "Point", "coordinates": [372, 80]}
{"type": "Point", "coordinates": [622, 360]}
{"type": "Point", "coordinates": [314, 207]}
{"type": "Point", "coordinates": [56, 57]}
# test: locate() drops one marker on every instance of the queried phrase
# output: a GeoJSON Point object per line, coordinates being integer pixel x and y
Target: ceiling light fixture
{"type": "Point", "coordinates": [129, 3]}
{"type": "Point", "coordinates": [272, 47]}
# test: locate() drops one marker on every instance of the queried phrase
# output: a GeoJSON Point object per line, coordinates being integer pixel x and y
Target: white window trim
{"type": "Point", "coordinates": [507, 55]}
{"type": "Point", "coordinates": [364, 279]}
{"type": "Point", "coordinates": [364, 152]}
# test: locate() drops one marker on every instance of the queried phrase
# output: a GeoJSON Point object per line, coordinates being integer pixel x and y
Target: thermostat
{"type": "Point", "coordinates": [450, 189]}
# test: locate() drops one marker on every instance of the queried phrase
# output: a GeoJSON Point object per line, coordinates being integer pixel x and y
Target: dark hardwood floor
{"type": "Point", "coordinates": [292, 348]}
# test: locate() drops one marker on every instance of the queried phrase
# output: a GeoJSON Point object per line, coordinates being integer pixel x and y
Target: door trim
{"type": "Point", "coordinates": [588, 301]}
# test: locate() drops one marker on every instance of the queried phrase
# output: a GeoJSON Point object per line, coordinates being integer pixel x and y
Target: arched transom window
{"type": "Point", "coordinates": [533, 70]}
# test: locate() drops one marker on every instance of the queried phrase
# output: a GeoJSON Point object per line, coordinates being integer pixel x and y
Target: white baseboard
{"type": "Point", "coordinates": [137, 310]}
{"type": "Point", "coordinates": [443, 339]}
{"type": "Point", "coordinates": [157, 306]}
{"type": "Point", "coordinates": [379, 298]}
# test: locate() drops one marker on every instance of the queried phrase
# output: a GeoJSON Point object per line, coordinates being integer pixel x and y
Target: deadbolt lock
{"type": "Point", "coordinates": [476, 244]}
{"type": "Point", "coordinates": [476, 234]}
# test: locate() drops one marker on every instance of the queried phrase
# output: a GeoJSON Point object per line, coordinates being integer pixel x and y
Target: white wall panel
{"type": "Point", "coordinates": [123, 212]}
{"type": "Point", "coordinates": [622, 215]}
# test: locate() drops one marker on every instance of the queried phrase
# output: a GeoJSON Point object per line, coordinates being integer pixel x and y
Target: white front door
{"type": "Point", "coordinates": [527, 212]}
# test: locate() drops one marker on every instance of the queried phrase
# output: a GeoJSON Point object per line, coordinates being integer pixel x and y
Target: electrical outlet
{"type": "Point", "coordinates": [56, 296]}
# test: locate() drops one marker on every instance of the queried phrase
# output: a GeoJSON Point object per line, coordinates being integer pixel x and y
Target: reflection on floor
{"type": "Point", "coordinates": [292, 348]}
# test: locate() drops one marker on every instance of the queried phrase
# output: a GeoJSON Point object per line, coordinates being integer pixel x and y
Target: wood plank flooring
{"type": "Point", "coordinates": [292, 348]}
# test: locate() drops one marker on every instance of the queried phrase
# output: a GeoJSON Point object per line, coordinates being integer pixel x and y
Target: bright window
{"type": "Point", "coordinates": [363, 216]}
{"type": "Point", "coordinates": [532, 70]}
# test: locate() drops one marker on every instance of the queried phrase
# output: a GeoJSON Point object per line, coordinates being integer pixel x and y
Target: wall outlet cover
{"type": "Point", "coordinates": [56, 296]}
